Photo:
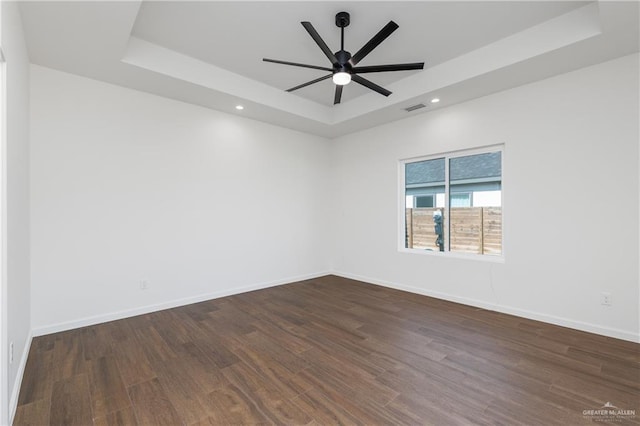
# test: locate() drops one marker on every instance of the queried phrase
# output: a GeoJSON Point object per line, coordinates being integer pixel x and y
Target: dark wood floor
{"type": "Point", "coordinates": [327, 351]}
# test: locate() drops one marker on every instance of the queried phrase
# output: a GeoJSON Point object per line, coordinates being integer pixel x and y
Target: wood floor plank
{"type": "Point", "coordinates": [71, 402]}
{"type": "Point", "coordinates": [428, 411]}
{"type": "Point", "coordinates": [270, 397]}
{"type": "Point", "coordinates": [360, 380]}
{"type": "Point", "coordinates": [153, 344]}
{"type": "Point", "coordinates": [68, 355]}
{"type": "Point", "coordinates": [34, 413]}
{"type": "Point", "coordinates": [38, 379]}
{"type": "Point", "coordinates": [119, 330]}
{"type": "Point", "coordinates": [279, 409]}
{"type": "Point", "coordinates": [252, 382]}
{"type": "Point", "coordinates": [323, 410]}
{"type": "Point", "coordinates": [326, 351]}
{"type": "Point", "coordinates": [151, 404]}
{"type": "Point", "coordinates": [358, 404]}
{"type": "Point", "coordinates": [228, 405]}
{"type": "Point", "coordinates": [108, 392]}
{"type": "Point", "coordinates": [183, 391]}
{"type": "Point", "coordinates": [292, 362]}
{"type": "Point", "coordinates": [200, 369]}
{"type": "Point", "coordinates": [595, 389]}
{"type": "Point", "coordinates": [263, 364]}
{"type": "Point", "coordinates": [96, 341]}
{"type": "Point", "coordinates": [133, 364]}
{"type": "Point", "coordinates": [211, 350]}
{"type": "Point", "coordinates": [173, 331]}
{"type": "Point", "coordinates": [282, 337]}
{"type": "Point", "coordinates": [124, 417]}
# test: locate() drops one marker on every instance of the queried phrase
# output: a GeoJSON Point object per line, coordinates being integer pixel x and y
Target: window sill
{"type": "Point", "coordinates": [453, 255]}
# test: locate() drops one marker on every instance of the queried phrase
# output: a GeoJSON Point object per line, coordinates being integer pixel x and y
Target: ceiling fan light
{"type": "Point", "coordinates": [341, 78]}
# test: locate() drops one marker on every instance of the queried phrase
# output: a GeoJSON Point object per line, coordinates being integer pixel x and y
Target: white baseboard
{"type": "Point", "coordinates": [13, 402]}
{"type": "Point", "coordinates": [83, 322]}
{"type": "Point", "coordinates": [551, 319]}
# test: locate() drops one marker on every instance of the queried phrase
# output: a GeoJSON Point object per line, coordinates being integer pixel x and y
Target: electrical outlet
{"type": "Point", "coordinates": [606, 299]}
{"type": "Point", "coordinates": [144, 284]}
{"type": "Point", "coordinates": [11, 353]}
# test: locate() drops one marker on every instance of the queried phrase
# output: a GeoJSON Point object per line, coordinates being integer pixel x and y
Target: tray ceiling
{"type": "Point", "coordinates": [210, 53]}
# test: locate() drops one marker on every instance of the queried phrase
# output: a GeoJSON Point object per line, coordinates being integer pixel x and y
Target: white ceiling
{"type": "Point", "coordinates": [210, 53]}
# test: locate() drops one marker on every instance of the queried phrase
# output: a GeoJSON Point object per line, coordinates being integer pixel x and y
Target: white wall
{"type": "Point", "coordinates": [127, 186]}
{"type": "Point", "coordinates": [570, 200]}
{"type": "Point", "coordinates": [16, 179]}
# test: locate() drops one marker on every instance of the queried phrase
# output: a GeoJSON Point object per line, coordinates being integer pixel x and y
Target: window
{"type": "Point", "coordinates": [453, 202]}
{"type": "Point", "coordinates": [460, 199]}
{"type": "Point", "coordinates": [424, 201]}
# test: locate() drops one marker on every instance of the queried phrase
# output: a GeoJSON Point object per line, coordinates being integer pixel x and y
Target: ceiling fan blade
{"type": "Point", "coordinates": [374, 42]}
{"type": "Point", "coordinates": [319, 41]}
{"type": "Point", "coordinates": [309, 83]}
{"type": "Point", "coordinates": [394, 67]}
{"type": "Point", "coordinates": [295, 64]}
{"type": "Point", "coordinates": [370, 85]}
{"type": "Point", "coordinates": [338, 95]}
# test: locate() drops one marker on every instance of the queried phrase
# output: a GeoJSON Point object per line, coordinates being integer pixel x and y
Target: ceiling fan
{"type": "Point", "coordinates": [343, 65]}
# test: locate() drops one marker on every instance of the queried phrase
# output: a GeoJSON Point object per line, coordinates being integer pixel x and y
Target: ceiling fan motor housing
{"type": "Point", "coordinates": [343, 64]}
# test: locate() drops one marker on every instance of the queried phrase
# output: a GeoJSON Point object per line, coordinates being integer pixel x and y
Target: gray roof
{"type": "Point", "coordinates": [424, 172]}
{"type": "Point", "coordinates": [478, 166]}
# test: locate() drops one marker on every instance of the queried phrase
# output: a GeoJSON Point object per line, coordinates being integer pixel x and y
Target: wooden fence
{"type": "Point", "coordinates": [472, 229]}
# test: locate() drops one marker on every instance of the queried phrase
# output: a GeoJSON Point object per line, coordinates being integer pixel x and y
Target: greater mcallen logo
{"type": "Point", "coordinates": [609, 413]}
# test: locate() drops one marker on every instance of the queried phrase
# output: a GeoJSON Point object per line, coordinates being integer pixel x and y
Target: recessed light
{"type": "Point", "coordinates": [239, 107]}
{"type": "Point", "coordinates": [435, 100]}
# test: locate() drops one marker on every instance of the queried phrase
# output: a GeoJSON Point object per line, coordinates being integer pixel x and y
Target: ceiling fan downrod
{"type": "Point", "coordinates": [342, 20]}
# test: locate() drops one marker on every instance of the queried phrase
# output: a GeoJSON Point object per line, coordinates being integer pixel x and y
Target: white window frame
{"type": "Point", "coordinates": [6, 412]}
{"type": "Point", "coordinates": [402, 212]}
